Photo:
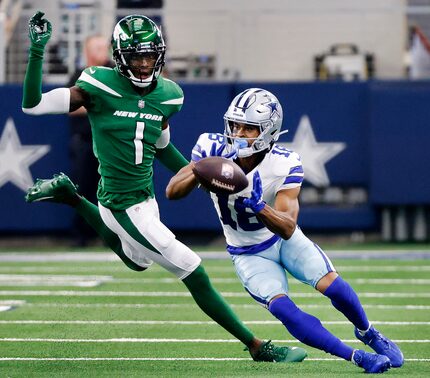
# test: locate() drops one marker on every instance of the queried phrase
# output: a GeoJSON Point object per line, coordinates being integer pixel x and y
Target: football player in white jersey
{"type": "Point", "coordinates": [263, 238]}
{"type": "Point", "coordinates": [127, 216]}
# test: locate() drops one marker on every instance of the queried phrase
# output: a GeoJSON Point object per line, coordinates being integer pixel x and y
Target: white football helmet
{"type": "Point", "coordinates": [256, 107]}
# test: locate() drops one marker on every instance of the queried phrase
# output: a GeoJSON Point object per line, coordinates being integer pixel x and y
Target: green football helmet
{"type": "Point", "coordinates": [138, 49]}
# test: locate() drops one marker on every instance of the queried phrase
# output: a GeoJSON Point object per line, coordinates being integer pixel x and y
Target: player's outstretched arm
{"type": "Point", "coordinates": [39, 33]}
{"type": "Point", "coordinates": [34, 102]}
{"type": "Point", "coordinates": [182, 183]}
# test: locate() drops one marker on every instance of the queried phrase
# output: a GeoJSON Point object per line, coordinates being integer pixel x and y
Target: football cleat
{"type": "Point", "coordinates": [58, 189]}
{"type": "Point", "coordinates": [269, 352]}
{"type": "Point", "coordinates": [381, 345]}
{"type": "Point", "coordinates": [371, 362]}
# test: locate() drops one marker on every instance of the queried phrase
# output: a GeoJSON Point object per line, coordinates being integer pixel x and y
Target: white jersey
{"type": "Point", "coordinates": [280, 169]}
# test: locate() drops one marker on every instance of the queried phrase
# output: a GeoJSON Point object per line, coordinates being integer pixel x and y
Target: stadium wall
{"type": "Point", "coordinates": [364, 146]}
{"type": "Point", "coordinates": [278, 41]}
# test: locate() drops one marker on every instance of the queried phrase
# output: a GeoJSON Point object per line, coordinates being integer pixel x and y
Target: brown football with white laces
{"type": "Point", "coordinates": [220, 175]}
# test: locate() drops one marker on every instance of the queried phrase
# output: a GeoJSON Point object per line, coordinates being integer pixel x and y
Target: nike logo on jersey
{"type": "Point", "coordinates": [152, 117]}
{"type": "Point", "coordinates": [92, 71]}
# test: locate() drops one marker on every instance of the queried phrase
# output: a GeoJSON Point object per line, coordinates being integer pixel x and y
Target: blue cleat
{"type": "Point", "coordinates": [372, 363]}
{"type": "Point", "coordinates": [381, 345]}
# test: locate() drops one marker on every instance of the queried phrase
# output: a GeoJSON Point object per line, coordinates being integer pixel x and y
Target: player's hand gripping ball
{"type": "Point", "coordinates": [220, 175]}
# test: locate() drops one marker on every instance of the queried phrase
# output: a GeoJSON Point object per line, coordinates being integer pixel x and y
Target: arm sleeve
{"type": "Point", "coordinates": [164, 138]}
{"type": "Point", "coordinates": [32, 90]}
{"type": "Point", "coordinates": [56, 101]}
{"type": "Point", "coordinates": [33, 101]}
{"type": "Point", "coordinates": [171, 158]}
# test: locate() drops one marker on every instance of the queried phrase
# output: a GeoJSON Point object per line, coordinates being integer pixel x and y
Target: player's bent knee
{"type": "Point", "coordinates": [198, 282]}
{"type": "Point", "coordinates": [198, 277]}
{"type": "Point", "coordinates": [283, 308]}
{"type": "Point", "coordinates": [263, 291]}
{"type": "Point", "coordinates": [275, 297]}
{"type": "Point", "coordinates": [183, 257]}
{"type": "Point", "coordinates": [326, 281]}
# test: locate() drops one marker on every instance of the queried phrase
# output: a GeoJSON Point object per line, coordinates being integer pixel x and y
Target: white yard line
{"type": "Point", "coordinates": [70, 293]}
{"type": "Point", "coordinates": [11, 302]}
{"type": "Point", "coordinates": [390, 281]}
{"type": "Point", "coordinates": [187, 305]}
{"type": "Point", "coordinates": [91, 281]}
{"type": "Point", "coordinates": [194, 322]}
{"type": "Point", "coordinates": [58, 257]}
{"type": "Point", "coordinates": [65, 268]}
{"type": "Point", "coordinates": [6, 305]}
{"type": "Point", "coordinates": [52, 283]}
{"type": "Point", "coordinates": [52, 280]}
{"type": "Point", "coordinates": [214, 255]}
{"type": "Point", "coordinates": [219, 359]}
{"type": "Point", "coordinates": [148, 340]}
{"type": "Point", "coordinates": [212, 268]}
{"type": "Point", "coordinates": [384, 268]}
{"type": "Point", "coordinates": [52, 277]}
{"type": "Point", "coordinates": [291, 281]}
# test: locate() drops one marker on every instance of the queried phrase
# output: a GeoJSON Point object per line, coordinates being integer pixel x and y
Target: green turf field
{"type": "Point", "coordinates": [99, 319]}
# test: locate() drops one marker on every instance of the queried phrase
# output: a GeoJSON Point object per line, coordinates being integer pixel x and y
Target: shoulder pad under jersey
{"type": "Point", "coordinates": [99, 79]}
{"type": "Point", "coordinates": [168, 95]}
{"type": "Point", "coordinates": [172, 92]}
{"type": "Point", "coordinates": [204, 143]}
{"type": "Point", "coordinates": [284, 161]}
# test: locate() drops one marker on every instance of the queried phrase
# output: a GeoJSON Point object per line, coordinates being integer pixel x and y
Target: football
{"type": "Point", "coordinates": [220, 175]}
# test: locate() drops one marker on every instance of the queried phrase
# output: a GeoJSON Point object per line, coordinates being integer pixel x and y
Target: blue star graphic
{"type": "Point", "coordinates": [273, 106]}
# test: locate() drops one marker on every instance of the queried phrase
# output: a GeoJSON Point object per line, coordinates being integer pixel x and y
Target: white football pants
{"type": "Point", "coordinates": [145, 239]}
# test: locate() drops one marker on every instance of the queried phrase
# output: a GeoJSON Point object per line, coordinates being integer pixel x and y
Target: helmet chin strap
{"type": "Point", "coordinates": [141, 84]}
{"type": "Point", "coordinates": [280, 133]}
{"type": "Point", "coordinates": [241, 146]}
{"type": "Point", "coordinates": [245, 152]}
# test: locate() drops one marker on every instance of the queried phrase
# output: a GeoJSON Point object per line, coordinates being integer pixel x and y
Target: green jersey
{"type": "Point", "coordinates": [125, 128]}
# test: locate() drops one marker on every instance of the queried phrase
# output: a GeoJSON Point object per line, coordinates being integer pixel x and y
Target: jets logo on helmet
{"type": "Point", "coordinates": [138, 49]}
{"type": "Point", "coordinates": [256, 107]}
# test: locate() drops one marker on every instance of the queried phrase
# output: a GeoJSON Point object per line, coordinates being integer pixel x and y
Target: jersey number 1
{"type": "Point", "coordinates": [138, 142]}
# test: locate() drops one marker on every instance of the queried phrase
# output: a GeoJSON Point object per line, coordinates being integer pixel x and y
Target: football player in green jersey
{"type": "Point", "coordinates": [129, 109]}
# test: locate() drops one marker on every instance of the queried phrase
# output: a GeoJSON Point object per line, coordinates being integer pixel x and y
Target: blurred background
{"type": "Point", "coordinates": [353, 78]}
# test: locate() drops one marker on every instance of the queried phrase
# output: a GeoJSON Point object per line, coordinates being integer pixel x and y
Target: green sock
{"type": "Point", "coordinates": [214, 305]}
{"type": "Point", "coordinates": [90, 213]}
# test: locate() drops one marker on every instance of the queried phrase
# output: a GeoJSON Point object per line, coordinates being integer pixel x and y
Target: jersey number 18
{"type": "Point", "coordinates": [243, 218]}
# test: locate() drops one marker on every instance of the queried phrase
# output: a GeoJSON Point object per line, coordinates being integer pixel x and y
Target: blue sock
{"type": "Point", "coordinates": [345, 300]}
{"type": "Point", "coordinates": [307, 328]}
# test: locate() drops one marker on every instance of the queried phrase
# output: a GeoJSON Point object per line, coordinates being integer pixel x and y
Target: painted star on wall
{"type": "Point", "coordinates": [314, 154]}
{"type": "Point", "coordinates": [15, 158]}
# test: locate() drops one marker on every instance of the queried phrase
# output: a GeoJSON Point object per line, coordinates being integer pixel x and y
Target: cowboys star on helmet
{"type": "Point", "coordinates": [256, 107]}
